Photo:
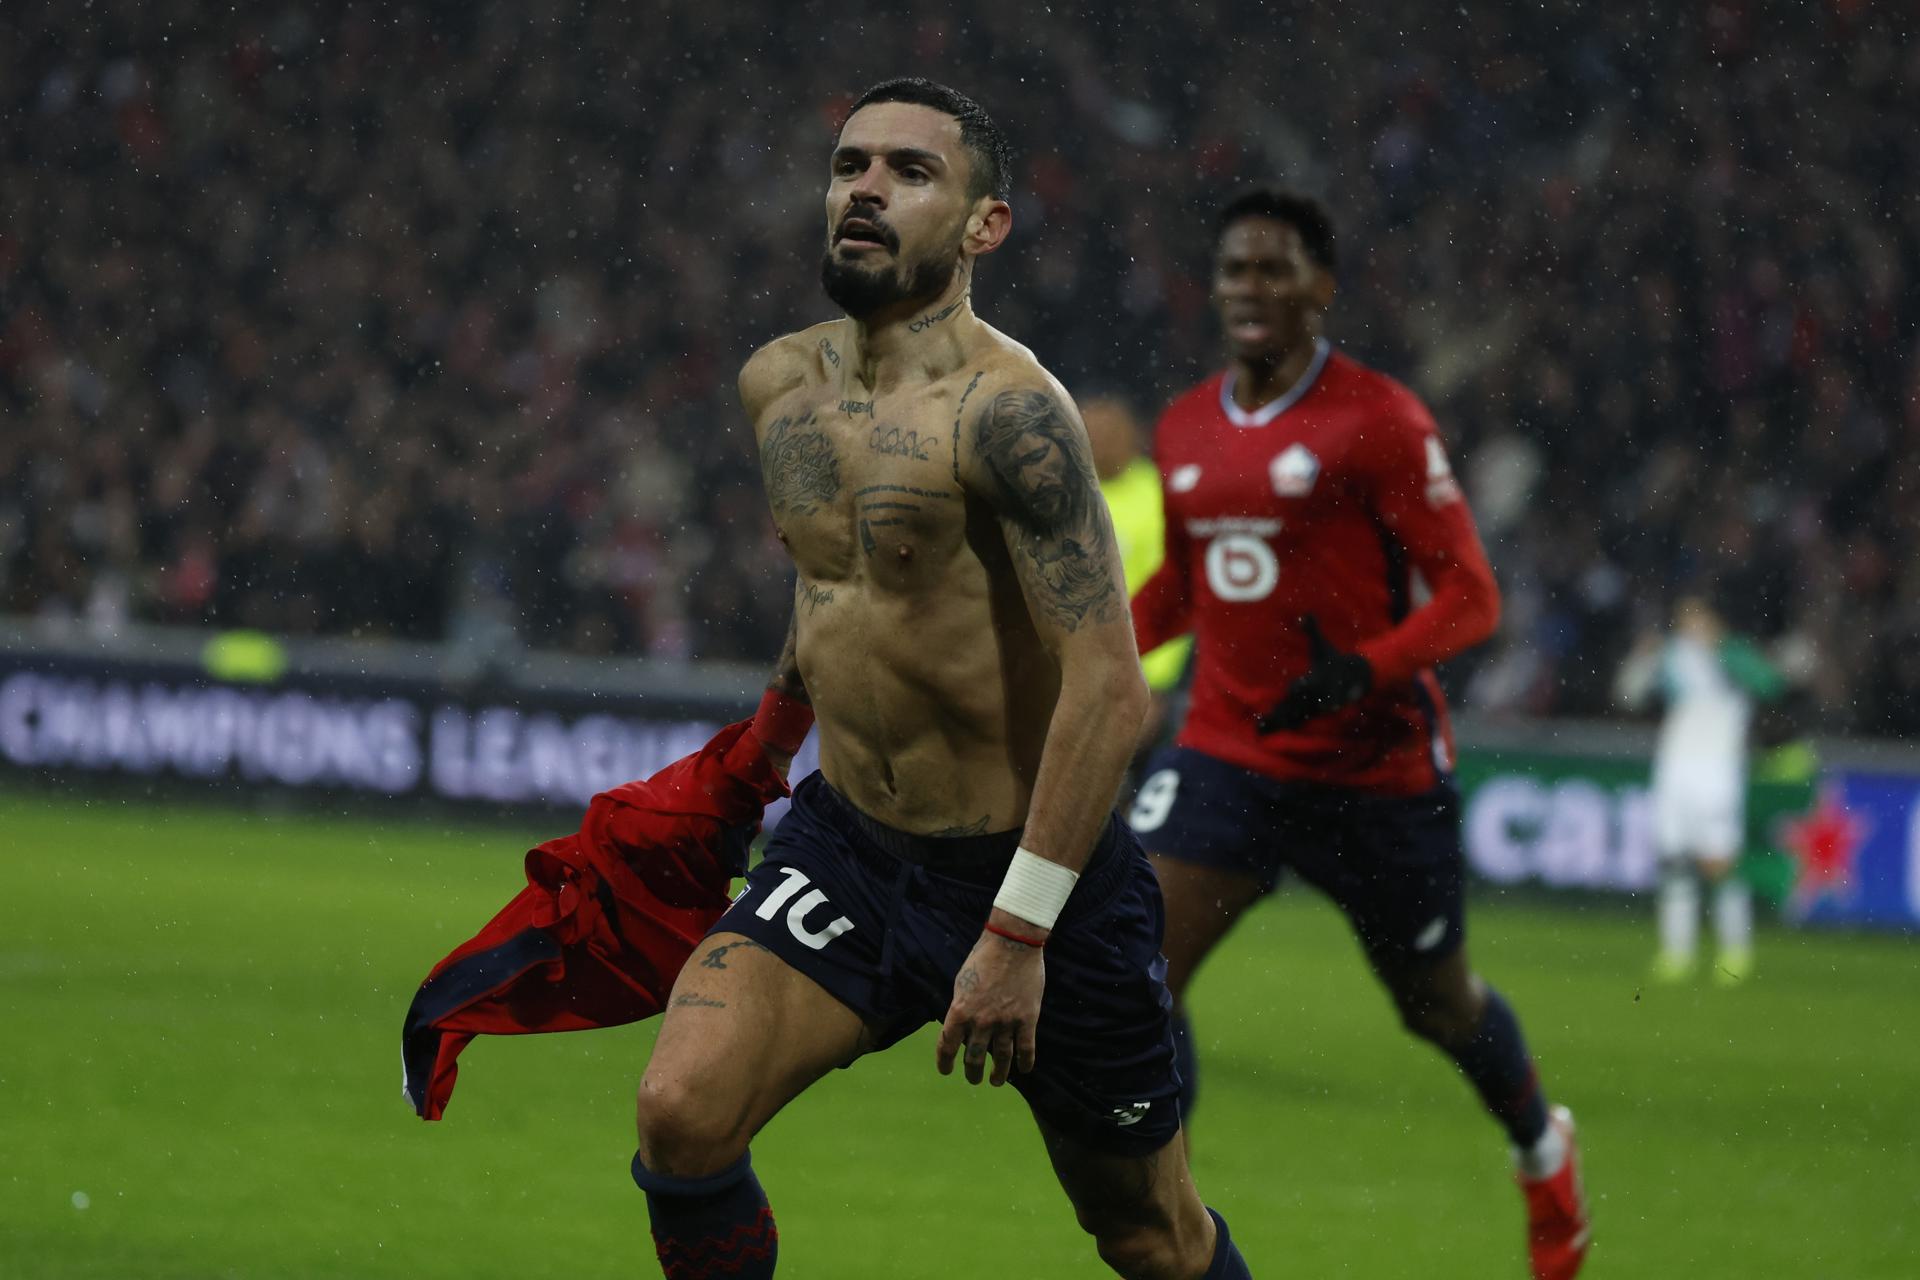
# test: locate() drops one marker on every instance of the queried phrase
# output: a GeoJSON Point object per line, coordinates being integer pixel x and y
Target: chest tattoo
{"type": "Point", "coordinates": [801, 468]}
{"type": "Point", "coordinates": [958, 411]}
{"type": "Point", "coordinates": [813, 596]}
{"type": "Point", "coordinates": [898, 443]}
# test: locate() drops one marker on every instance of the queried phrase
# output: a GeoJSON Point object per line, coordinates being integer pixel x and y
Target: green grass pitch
{"type": "Point", "coordinates": [199, 1077]}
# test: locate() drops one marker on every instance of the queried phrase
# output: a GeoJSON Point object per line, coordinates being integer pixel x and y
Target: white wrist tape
{"type": "Point", "coordinates": [1035, 889]}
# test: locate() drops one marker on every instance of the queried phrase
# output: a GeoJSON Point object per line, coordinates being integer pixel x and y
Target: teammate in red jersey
{"type": "Point", "coordinates": [1320, 552]}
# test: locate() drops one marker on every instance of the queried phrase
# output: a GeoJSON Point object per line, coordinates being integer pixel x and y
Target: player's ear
{"type": "Point", "coordinates": [987, 226]}
{"type": "Point", "coordinates": [1323, 288]}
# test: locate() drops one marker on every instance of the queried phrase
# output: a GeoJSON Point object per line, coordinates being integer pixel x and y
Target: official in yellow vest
{"type": "Point", "coordinates": [1131, 485]}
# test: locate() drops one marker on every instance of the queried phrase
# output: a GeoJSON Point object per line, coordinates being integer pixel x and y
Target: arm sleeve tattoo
{"type": "Point", "coordinates": [1048, 502]}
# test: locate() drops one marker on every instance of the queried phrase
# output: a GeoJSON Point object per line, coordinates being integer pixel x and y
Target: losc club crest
{"type": "Point", "coordinates": [1293, 471]}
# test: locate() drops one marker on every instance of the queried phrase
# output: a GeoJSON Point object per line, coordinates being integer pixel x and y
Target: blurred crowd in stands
{"type": "Point", "coordinates": [421, 320]}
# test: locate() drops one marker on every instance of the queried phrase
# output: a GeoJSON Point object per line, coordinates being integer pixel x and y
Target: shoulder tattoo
{"type": "Point", "coordinates": [1049, 504]}
{"type": "Point", "coordinates": [801, 468]}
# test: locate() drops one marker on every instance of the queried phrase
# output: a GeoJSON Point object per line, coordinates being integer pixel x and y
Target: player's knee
{"type": "Point", "coordinates": [1438, 1020]}
{"type": "Point", "coordinates": [683, 1133]}
{"type": "Point", "coordinates": [1141, 1252]}
{"type": "Point", "coordinates": [1141, 1242]}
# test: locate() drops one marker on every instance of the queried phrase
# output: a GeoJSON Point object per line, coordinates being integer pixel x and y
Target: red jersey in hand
{"type": "Point", "coordinates": [608, 917]}
{"type": "Point", "coordinates": [1336, 501]}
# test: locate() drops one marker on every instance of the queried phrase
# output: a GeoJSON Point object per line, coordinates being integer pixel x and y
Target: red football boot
{"type": "Point", "coordinates": [1558, 1228]}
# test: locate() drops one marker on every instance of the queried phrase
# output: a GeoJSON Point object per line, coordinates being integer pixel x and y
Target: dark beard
{"type": "Point", "coordinates": [860, 292]}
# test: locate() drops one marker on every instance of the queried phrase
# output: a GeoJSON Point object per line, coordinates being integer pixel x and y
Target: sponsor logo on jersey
{"type": "Point", "coordinates": [1241, 568]}
{"type": "Point", "coordinates": [1293, 471]}
{"type": "Point", "coordinates": [1442, 488]}
{"type": "Point", "coordinates": [1257, 526]}
{"type": "Point", "coordinates": [1184, 478]}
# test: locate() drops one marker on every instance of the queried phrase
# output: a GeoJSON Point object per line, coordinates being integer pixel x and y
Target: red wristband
{"type": "Point", "coordinates": [782, 722]}
{"type": "Point", "coordinates": [1014, 937]}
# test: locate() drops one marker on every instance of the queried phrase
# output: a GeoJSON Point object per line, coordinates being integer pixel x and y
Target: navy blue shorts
{"type": "Point", "coordinates": [1393, 864]}
{"type": "Point", "coordinates": [884, 919]}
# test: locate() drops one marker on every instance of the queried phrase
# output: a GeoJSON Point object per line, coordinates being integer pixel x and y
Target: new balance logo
{"type": "Point", "coordinates": [1132, 1114]}
{"type": "Point", "coordinates": [1442, 488]}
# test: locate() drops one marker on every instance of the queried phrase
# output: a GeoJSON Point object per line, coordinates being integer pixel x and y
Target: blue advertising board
{"type": "Point", "coordinates": [1857, 852]}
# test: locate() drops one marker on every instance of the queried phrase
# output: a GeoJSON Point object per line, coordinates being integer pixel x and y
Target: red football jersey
{"type": "Point", "coordinates": [1335, 501]}
{"type": "Point", "coordinates": [609, 914]}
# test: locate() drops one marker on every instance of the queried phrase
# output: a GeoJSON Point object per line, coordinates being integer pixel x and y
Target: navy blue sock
{"type": "Point", "coordinates": [1495, 1059]}
{"type": "Point", "coordinates": [706, 1228]}
{"type": "Point", "coordinates": [1184, 1063]}
{"type": "Point", "coordinates": [1227, 1262]}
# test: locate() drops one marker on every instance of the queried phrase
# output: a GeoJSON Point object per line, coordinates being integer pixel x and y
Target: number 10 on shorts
{"type": "Point", "coordinates": [802, 906]}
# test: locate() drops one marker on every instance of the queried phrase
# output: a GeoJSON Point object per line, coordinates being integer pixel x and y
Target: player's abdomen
{"type": "Point", "coordinates": [930, 715]}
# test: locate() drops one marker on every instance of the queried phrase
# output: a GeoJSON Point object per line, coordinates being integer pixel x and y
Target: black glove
{"type": "Point", "coordinates": [1333, 680]}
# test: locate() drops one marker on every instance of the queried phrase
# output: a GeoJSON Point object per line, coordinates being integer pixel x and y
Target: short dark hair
{"type": "Point", "coordinates": [1301, 212]}
{"type": "Point", "coordinates": [988, 148]}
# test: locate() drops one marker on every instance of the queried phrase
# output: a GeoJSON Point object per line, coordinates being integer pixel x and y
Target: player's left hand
{"type": "Point", "coordinates": [1333, 680]}
{"type": "Point", "coordinates": [995, 1009]}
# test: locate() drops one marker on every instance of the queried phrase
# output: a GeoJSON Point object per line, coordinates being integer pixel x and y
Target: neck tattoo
{"type": "Point", "coordinates": [927, 322]}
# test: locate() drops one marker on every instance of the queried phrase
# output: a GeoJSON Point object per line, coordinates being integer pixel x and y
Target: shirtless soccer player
{"type": "Point", "coordinates": [961, 630]}
{"type": "Point", "coordinates": [1323, 558]}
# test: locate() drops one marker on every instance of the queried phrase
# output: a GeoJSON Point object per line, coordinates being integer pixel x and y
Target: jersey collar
{"type": "Point", "coordinates": [1274, 408]}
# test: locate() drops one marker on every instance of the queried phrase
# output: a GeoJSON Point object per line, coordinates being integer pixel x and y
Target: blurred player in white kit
{"type": "Point", "coordinates": [1709, 681]}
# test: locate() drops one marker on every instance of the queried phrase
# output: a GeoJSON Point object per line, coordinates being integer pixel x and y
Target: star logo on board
{"type": "Point", "coordinates": [1823, 843]}
{"type": "Point", "coordinates": [1293, 471]}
